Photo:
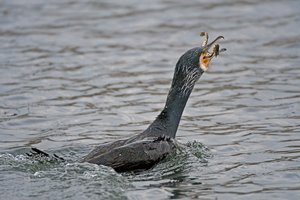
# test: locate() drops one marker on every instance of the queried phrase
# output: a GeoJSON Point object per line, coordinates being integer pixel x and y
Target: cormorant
{"type": "Point", "coordinates": [144, 150]}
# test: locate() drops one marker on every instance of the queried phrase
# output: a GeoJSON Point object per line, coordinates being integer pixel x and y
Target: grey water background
{"type": "Point", "coordinates": [74, 74]}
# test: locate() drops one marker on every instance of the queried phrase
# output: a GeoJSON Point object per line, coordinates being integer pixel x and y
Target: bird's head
{"type": "Point", "coordinates": [198, 59]}
{"type": "Point", "coordinates": [194, 62]}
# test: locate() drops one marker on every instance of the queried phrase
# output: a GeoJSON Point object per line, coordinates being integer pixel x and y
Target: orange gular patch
{"type": "Point", "coordinates": [204, 61]}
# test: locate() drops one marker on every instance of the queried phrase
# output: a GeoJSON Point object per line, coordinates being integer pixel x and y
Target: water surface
{"type": "Point", "coordinates": [74, 74]}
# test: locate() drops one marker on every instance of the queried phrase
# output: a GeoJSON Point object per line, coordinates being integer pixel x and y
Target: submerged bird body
{"type": "Point", "coordinates": [132, 156]}
{"type": "Point", "coordinates": [144, 150]}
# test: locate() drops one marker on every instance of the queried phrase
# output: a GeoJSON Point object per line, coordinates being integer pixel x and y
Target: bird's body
{"type": "Point", "coordinates": [126, 155]}
{"type": "Point", "coordinates": [144, 150]}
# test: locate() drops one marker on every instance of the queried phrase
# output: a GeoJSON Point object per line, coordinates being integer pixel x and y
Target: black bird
{"type": "Point", "coordinates": [144, 150]}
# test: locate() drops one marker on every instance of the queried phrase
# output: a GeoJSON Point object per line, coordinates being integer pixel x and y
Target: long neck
{"type": "Point", "coordinates": [173, 109]}
{"type": "Point", "coordinates": [168, 120]}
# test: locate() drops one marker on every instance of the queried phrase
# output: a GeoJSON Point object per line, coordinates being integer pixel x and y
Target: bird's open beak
{"type": "Point", "coordinates": [209, 51]}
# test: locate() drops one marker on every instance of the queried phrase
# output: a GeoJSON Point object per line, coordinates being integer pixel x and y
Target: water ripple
{"type": "Point", "coordinates": [75, 74]}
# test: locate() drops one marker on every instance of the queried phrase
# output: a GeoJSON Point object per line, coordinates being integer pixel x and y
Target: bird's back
{"type": "Point", "coordinates": [137, 155]}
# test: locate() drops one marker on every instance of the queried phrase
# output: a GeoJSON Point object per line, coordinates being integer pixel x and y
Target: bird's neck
{"type": "Point", "coordinates": [168, 120]}
{"type": "Point", "coordinates": [173, 109]}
